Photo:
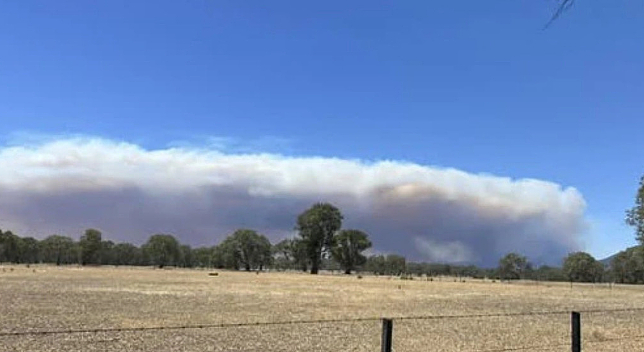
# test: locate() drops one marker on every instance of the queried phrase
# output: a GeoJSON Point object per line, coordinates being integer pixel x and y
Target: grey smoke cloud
{"type": "Point", "coordinates": [200, 195]}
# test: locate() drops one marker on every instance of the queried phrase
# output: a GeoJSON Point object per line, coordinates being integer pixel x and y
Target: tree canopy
{"type": "Point", "coordinates": [513, 266]}
{"type": "Point", "coordinates": [582, 267]}
{"type": "Point", "coordinates": [348, 247]}
{"type": "Point", "coordinates": [316, 227]}
{"type": "Point", "coordinates": [635, 215]}
{"type": "Point", "coordinates": [248, 249]}
{"type": "Point", "coordinates": [163, 250]}
{"type": "Point", "coordinates": [627, 267]}
{"type": "Point", "coordinates": [90, 247]}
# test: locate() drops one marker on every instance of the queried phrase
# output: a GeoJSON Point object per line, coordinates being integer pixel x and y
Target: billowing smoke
{"type": "Point", "coordinates": [426, 213]}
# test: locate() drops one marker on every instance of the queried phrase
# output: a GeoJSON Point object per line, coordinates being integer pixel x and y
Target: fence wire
{"type": "Point", "coordinates": [322, 336]}
{"type": "Point", "coordinates": [602, 330]}
{"type": "Point", "coordinates": [613, 330]}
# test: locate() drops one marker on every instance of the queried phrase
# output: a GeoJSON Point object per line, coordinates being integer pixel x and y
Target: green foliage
{"type": "Point", "coordinates": [202, 257]}
{"type": "Point", "coordinates": [90, 247]}
{"type": "Point", "coordinates": [186, 259]}
{"type": "Point", "coordinates": [127, 254]}
{"type": "Point", "coordinates": [9, 247]}
{"type": "Point", "coordinates": [225, 256]}
{"type": "Point", "coordinates": [582, 267]}
{"type": "Point", "coordinates": [283, 254]}
{"type": "Point", "coordinates": [290, 254]}
{"type": "Point", "coordinates": [29, 250]}
{"type": "Point", "coordinates": [59, 250]}
{"type": "Point", "coordinates": [627, 267]}
{"type": "Point", "coordinates": [635, 215]}
{"type": "Point", "coordinates": [386, 265]}
{"type": "Point", "coordinates": [549, 273]}
{"type": "Point", "coordinates": [245, 248]}
{"type": "Point", "coordinates": [396, 264]}
{"type": "Point", "coordinates": [513, 266]}
{"type": "Point", "coordinates": [162, 250]}
{"type": "Point", "coordinates": [107, 253]}
{"type": "Point", "coordinates": [348, 247]}
{"type": "Point", "coordinates": [264, 253]}
{"type": "Point", "coordinates": [376, 264]}
{"type": "Point", "coordinates": [317, 227]}
{"type": "Point", "coordinates": [300, 254]}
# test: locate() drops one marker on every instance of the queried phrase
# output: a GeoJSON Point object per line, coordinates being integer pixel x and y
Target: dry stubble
{"type": "Point", "coordinates": [78, 298]}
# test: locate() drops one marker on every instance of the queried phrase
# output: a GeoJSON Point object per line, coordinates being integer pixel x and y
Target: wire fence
{"type": "Point", "coordinates": [602, 330]}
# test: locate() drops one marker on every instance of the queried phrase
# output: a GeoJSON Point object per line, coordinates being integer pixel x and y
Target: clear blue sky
{"type": "Point", "coordinates": [475, 85]}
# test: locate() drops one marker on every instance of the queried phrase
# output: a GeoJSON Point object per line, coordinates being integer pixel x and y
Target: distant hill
{"type": "Point", "coordinates": [607, 260]}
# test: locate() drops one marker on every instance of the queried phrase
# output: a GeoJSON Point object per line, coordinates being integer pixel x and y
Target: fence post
{"type": "Point", "coordinates": [387, 329]}
{"type": "Point", "coordinates": [575, 320]}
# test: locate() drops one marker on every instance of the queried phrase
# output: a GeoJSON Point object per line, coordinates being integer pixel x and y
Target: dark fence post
{"type": "Point", "coordinates": [387, 329]}
{"type": "Point", "coordinates": [575, 320]}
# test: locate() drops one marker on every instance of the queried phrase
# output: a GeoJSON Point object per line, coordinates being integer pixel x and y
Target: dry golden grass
{"type": "Point", "coordinates": [81, 298]}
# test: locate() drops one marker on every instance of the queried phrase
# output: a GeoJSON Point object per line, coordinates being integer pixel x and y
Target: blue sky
{"type": "Point", "coordinates": [474, 85]}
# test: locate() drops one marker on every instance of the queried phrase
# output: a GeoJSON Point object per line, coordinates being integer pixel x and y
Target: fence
{"type": "Point", "coordinates": [587, 330]}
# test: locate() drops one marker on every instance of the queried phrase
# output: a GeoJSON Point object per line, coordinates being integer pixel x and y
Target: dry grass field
{"type": "Point", "coordinates": [52, 298]}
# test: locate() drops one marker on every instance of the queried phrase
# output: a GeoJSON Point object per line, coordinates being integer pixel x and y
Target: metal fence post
{"type": "Point", "coordinates": [387, 329]}
{"type": "Point", "coordinates": [575, 320]}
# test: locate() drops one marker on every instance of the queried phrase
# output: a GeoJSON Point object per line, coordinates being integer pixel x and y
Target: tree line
{"type": "Point", "coordinates": [321, 243]}
{"type": "Point", "coordinates": [248, 250]}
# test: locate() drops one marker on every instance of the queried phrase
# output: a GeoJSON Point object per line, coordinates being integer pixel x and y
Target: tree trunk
{"type": "Point", "coordinates": [315, 264]}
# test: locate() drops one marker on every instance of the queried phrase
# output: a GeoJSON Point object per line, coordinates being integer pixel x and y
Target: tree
{"type": "Point", "coordinates": [395, 264]}
{"type": "Point", "coordinates": [203, 257]}
{"type": "Point", "coordinates": [265, 254]}
{"type": "Point", "coordinates": [512, 266]}
{"type": "Point", "coordinates": [635, 215]}
{"type": "Point", "coordinates": [290, 254]}
{"type": "Point", "coordinates": [627, 267]}
{"type": "Point", "coordinates": [549, 273]}
{"type": "Point", "coordinates": [246, 248]}
{"type": "Point", "coordinates": [187, 257]}
{"type": "Point", "coordinates": [316, 227]}
{"type": "Point", "coordinates": [29, 250]}
{"type": "Point", "coordinates": [59, 250]}
{"type": "Point", "coordinates": [391, 264]}
{"type": "Point", "coordinates": [127, 254]}
{"type": "Point", "coordinates": [348, 247]}
{"type": "Point", "coordinates": [107, 255]}
{"type": "Point", "coordinates": [247, 244]}
{"type": "Point", "coordinates": [283, 254]}
{"type": "Point", "coordinates": [582, 267]}
{"type": "Point", "coordinates": [376, 264]}
{"type": "Point", "coordinates": [301, 258]}
{"type": "Point", "coordinates": [163, 250]}
{"type": "Point", "coordinates": [226, 255]}
{"type": "Point", "coordinates": [90, 247]}
{"type": "Point", "coordinates": [9, 247]}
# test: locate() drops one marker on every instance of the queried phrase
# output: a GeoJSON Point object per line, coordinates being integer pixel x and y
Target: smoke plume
{"type": "Point", "coordinates": [426, 213]}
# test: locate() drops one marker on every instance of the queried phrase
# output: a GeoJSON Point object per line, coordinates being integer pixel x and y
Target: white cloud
{"type": "Point", "coordinates": [66, 184]}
